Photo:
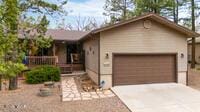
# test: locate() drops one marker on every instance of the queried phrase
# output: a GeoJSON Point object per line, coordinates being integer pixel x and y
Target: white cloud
{"type": "Point", "coordinates": [89, 8]}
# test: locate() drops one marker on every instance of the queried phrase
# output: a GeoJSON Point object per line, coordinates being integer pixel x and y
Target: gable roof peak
{"type": "Point", "coordinates": [155, 17]}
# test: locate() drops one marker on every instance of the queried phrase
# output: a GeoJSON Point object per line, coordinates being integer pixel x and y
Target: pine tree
{"type": "Point", "coordinates": [11, 53]}
{"type": "Point", "coordinates": [118, 10]}
{"type": "Point", "coordinates": [162, 7]}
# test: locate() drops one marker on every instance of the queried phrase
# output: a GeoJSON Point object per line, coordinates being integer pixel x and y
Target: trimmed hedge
{"type": "Point", "coordinates": [42, 74]}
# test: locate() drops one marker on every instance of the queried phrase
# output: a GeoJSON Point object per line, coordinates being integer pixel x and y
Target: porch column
{"type": "Point", "coordinates": [54, 49]}
{"type": "Point", "coordinates": [54, 53]}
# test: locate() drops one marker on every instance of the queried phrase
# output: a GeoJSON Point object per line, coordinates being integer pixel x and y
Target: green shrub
{"type": "Point", "coordinates": [42, 74]}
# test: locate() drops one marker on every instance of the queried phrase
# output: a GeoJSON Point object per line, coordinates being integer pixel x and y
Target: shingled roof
{"type": "Point", "coordinates": [59, 34]}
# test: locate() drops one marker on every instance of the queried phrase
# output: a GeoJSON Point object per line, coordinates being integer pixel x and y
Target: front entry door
{"type": "Point", "coordinates": [71, 48]}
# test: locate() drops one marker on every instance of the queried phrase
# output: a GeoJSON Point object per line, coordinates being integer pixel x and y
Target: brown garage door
{"type": "Point", "coordinates": [143, 69]}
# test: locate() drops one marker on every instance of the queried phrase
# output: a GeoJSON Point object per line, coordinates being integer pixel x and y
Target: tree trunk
{"type": "Point", "coordinates": [175, 11]}
{"type": "Point", "coordinates": [193, 38]}
{"type": "Point", "coordinates": [155, 8]}
{"type": "Point", "coordinates": [13, 83]}
{"type": "Point", "coordinates": [124, 10]}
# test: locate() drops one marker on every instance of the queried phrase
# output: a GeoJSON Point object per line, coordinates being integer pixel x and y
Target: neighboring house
{"type": "Point", "coordinates": [197, 51]}
{"type": "Point", "coordinates": [145, 49]}
{"type": "Point", "coordinates": [141, 50]}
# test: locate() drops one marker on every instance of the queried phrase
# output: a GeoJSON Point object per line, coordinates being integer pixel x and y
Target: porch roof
{"type": "Point", "coordinates": [68, 35]}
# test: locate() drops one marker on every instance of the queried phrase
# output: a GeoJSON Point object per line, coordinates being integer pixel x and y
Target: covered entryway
{"type": "Point", "coordinates": [129, 69]}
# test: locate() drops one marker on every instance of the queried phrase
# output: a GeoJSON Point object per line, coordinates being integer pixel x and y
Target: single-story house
{"type": "Point", "coordinates": [197, 50]}
{"type": "Point", "coordinates": [141, 50]}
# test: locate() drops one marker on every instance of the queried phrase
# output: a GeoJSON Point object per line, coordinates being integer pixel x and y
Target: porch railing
{"type": "Point", "coordinates": [32, 61]}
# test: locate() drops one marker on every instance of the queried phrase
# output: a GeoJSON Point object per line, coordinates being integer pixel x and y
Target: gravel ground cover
{"type": "Point", "coordinates": [26, 99]}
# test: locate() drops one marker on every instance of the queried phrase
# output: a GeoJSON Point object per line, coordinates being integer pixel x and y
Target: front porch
{"type": "Point", "coordinates": [33, 61]}
{"type": "Point", "coordinates": [68, 56]}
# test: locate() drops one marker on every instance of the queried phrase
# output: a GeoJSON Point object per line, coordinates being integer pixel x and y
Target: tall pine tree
{"type": "Point", "coordinates": [162, 7]}
{"type": "Point", "coordinates": [118, 10]}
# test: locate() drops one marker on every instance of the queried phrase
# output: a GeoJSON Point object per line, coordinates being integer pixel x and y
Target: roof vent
{"type": "Point", "coordinates": [147, 24]}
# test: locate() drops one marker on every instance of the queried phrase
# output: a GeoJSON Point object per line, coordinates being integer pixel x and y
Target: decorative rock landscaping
{"type": "Point", "coordinates": [26, 99]}
{"type": "Point", "coordinates": [49, 84]}
{"type": "Point", "coordinates": [71, 93]}
{"type": "Point", "coordinates": [45, 92]}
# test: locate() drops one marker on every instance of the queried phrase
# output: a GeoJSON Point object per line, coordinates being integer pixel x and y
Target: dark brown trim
{"type": "Point", "coordinates": [176, 67]}
{"type": "Point", "coordinates": [171, 53]}
{"type": "Point", "coordinates": [138, 54]}
{"type": "Point", "coordinates": [113, 54]}
{"type": "Point", "coordinates": [99, 71]}
{"type": "Point", "coordinates": [187, 77]}
{"type": "Point", "coordinates": [197, 43]}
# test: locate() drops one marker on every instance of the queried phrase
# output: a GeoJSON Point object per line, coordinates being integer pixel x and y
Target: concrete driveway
{"type": "Point", "coordinates": [168, 97]}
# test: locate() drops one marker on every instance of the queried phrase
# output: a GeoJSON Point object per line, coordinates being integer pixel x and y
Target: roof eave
{"type": "Point", "coordinates": [189, 33]}
{"type": "Point", "coordinates": [178, 27]}
{"type": "Point", "coordinates": [121, 23]}
{"type": "Point", "coordinates": [86, 36]}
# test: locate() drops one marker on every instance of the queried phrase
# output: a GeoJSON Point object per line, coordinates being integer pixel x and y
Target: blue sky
{"type": "Point", "coordinates": [82, 8]}
{"type": "Point", "coordinates": [78, 0]}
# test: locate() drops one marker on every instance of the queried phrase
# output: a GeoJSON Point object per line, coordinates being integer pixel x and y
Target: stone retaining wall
{"type": "Point", "coordinates": [194, 78]}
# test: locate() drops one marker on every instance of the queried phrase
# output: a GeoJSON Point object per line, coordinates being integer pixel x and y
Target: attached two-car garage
{"type": "Point", "coordinates": [131, 69]}
{"type": "Point", "coordinates": [143, 50]}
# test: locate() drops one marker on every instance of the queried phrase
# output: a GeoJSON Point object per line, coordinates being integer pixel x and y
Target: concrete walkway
{"type": "Point", "coordinates": [169, 97]}
{"type": "Point", "coordinates": [71, 93]}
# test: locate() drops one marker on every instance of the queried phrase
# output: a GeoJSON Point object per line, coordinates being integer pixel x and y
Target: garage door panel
{"type": "Point", "coordinates": [139, 69]}
{"type": "Point", "coordinates": [142, 81]}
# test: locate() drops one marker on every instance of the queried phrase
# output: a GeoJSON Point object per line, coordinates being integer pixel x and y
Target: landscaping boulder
{"type": "Point", "coordinates": [45, 92]}
{"type": "Point", "coordinates": [49, 84]}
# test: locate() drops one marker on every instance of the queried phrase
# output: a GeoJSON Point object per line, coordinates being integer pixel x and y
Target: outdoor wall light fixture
{"type": "Point", "coordinates": [107, 55]}
{"type": "Point", "coordinates": [182, 55]}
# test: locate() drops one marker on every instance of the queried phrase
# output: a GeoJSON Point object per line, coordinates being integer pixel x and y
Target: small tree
{"type": "Point", "coordinates": [35, 35]}
{"type": "Point", "coordinates": [9, 40]}
{"type": "Point", "coordinates": [11, 48]}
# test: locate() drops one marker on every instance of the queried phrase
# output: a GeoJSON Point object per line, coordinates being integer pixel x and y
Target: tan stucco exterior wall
{"type": "Point", "coordinates": [197, 55]}
{"type": "Point", "coordinates": [91, 57]}
{"type": "Point", "coordinates": [134, 38]}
